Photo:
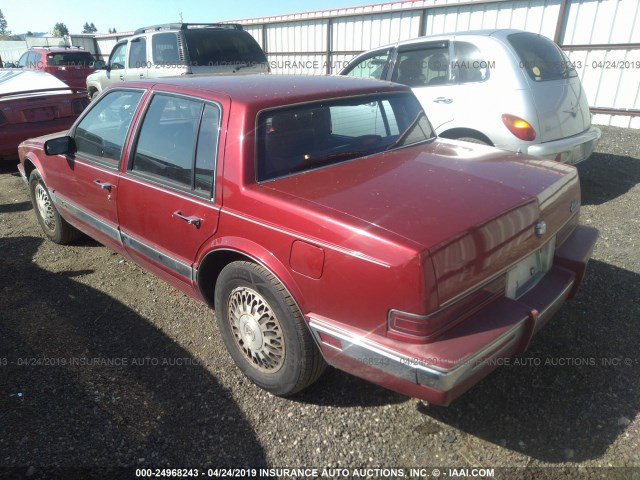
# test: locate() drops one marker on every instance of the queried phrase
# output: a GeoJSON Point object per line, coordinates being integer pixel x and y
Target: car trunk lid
{"type": "Point", "coordinates": [472, 208]}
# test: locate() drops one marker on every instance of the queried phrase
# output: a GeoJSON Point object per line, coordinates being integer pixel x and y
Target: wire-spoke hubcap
{"type": "Point", "coordinates": [45, 208]}
{"type": "Point", "coordinates": [256, 329]}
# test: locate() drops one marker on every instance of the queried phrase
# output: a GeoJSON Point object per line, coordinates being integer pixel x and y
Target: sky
{"type": "Point", "coordinates": [125, 15]}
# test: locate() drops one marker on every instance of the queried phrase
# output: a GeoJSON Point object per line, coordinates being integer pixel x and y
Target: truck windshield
{"type": "Point", "coordinates": [301, 138]}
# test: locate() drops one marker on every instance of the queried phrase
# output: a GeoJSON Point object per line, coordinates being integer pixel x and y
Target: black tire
{"type": "Point", "coordinates": [264, 330]}
{"type": "Point", "coordinates": [53, 225]}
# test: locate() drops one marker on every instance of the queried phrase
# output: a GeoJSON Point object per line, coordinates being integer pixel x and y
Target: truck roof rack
{"type": "Point", "coordinates": [59, 47]}
{"type": "Point", "coordinates": [187, 26]}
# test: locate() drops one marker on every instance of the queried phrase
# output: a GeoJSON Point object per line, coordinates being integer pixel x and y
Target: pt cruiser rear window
{"type": "Point", "coordinates": [541, 58]}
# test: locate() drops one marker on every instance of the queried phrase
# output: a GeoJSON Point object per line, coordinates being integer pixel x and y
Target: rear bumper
{"type": "Point", "coordinates": [441, 371]}
{"type": "Point", "coordinates": [572, 150]}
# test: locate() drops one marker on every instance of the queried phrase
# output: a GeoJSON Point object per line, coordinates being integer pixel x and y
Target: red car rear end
{"type": "Point", "coordinates": [34, 104]}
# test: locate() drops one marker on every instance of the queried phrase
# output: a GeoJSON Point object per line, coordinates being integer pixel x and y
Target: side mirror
{"type": "Point", "coordinates": [100, 65]}
{"type": "Point", "coordinates": [60, 146]}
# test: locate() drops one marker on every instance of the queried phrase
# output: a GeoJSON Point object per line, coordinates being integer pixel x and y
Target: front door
{"type": "Point", "coordinates": [166, 204]}
{"type": "Point", "coordinates": [85, 184]}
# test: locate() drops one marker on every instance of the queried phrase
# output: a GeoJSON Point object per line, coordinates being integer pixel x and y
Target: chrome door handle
{"type": "Point", "coordinates": [103, 185]}
{"type": "Point", "coordinates": [443, 100]}
{"type": "Point", "coordinates": [142, 75]}
{"type": "Point", "coordinates": [122, 77]}
{"type": "Point", "coordinates": [190, 220]}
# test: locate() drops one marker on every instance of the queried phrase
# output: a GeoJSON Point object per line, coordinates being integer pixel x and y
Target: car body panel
{"type": "Point", "coordinates": [473, 100]}
{"type": "Point", "coordinates": [199, 50]}
{"type": "Point", "coordinates": [32, 104]}
{"type": "Point", "coordinates": [431, 233]}
{"type": "Point", "coordinates": [72, 65]}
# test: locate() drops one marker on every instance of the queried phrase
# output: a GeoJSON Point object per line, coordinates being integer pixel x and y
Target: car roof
{"type": "Point", "coordinates": [60, 49]}
{"type": "Point", "coordinates": [267, 90]}
{"type": "Point", "coordinates": [501, 33]}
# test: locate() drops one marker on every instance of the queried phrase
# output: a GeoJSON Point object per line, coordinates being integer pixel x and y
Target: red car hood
{"type": "Point", "coordinates": [472, 207]}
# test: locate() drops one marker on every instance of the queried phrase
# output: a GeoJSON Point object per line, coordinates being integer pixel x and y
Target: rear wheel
{"type": "Point", "coordinates": [53, 225]}
{"type": "Point", "coordinates": [264, 330]}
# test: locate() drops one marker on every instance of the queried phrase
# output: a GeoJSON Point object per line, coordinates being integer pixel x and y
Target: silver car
{"type": "Point", "coordinates": [511, 89]}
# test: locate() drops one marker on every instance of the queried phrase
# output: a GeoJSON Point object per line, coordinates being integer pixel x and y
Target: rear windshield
{"type": "Point", "coordinates": [223, 47]}
{"type": "Point", "coordinates": [75, 59]}
{"type": "Point", "coordinates": [541, 58]}
{"type": "Point", "coordinates": [302, 138]}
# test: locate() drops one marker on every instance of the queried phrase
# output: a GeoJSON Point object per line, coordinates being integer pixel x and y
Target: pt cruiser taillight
{"type": "Point", "coordinates": [519, 127]}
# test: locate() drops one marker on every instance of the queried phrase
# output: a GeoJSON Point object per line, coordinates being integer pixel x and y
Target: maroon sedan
{"type": "Point", "coordinates": [34, 103]}
{"type": "Point", "coordinates": [324, 222]}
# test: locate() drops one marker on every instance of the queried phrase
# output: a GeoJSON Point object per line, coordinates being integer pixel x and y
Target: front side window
{"type": "Point", "coordinates": [297, 139]}
{"type": "Point", "coordinates": [423, 65]}
{"type": "Point", "coordinates": [177, 143]}
{"type": "Point", "coordinates": [101, 134]}
{"type": "Point", "coordinates": [118, 57]}
{"type": "Point", "coordinates": [541, 58]}
{"type": "Point", "coordinates": [372, 66]}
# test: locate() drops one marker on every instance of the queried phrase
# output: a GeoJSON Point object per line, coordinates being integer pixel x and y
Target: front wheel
{"type": "Point", "coordinates": [264, 330]}
{"type": "Point", "coordinates": [53, 225]}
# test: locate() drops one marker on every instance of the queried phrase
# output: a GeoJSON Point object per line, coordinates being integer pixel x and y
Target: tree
{"type": "Point", "coordinates": [89, 28]}
{"type": "Point", "coordinates": [60, 30]}
{"type": "Point", "coordinates": [3, 26]}
{"type": "Point", "coordinates": [112, 30]}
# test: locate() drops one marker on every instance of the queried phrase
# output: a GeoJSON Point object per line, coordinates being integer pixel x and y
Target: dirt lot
{"type": "Point", "coordinates": [102, 365]}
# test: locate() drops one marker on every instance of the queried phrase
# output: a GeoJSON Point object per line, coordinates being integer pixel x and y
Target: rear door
{"type": "Point", "coordinates": [166, 206]}
{"type": "Point", "coordinates": [137, 65]}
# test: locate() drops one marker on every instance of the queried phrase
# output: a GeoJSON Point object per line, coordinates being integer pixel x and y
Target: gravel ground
{"type": "Point", "coordinates": [103, 366]}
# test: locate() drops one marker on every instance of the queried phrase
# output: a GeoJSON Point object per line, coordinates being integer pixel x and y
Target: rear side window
{"type": "Point", "coordinates": [138, 53]}
{"type": "Point", "coordinates": [222, 47]}
{"type": "Point", "coordinates": [69, 59]}
{"type": "Point", "coordinates": [469, 64]}
{"type": "Point", "coordinates": [165, 49]}
{"type": "Point", "coordinates": [177, 143]}
{"type": "Point", "coordinates": [541, 58]}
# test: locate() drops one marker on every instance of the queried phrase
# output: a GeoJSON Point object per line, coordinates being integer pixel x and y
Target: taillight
{"type": "Point", "coordinates": [414, 328]}
{"type": "Point", "coordinates": [519, 127]}
{"type": "Point", "coordinates": [79, 104]}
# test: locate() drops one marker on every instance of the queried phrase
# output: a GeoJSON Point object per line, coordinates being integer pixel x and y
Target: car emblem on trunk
{"type": "Point", "coordinates": [573, 110]}
{"type": "Point", "coordinates": [541, 228]}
